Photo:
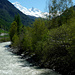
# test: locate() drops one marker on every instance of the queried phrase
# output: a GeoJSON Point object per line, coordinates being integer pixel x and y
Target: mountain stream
{"type": "Point", "coordinates": [11, 64]}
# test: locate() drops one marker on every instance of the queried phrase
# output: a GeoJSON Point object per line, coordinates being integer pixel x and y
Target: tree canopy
{"type": "Point", "coordinates": [50, 43]}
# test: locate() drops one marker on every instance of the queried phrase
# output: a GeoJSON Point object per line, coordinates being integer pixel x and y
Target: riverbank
{"type": "Point", "coordinates": [61, 68]}
{"type": "Point", "coordinates": [12, 64]}
{"type": "Point", "coordinates": [31, 59]}
{"type": "Point", "coordinates": [4, 39]}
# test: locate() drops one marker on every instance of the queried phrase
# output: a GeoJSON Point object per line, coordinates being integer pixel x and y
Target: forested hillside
{"type": "Point", "coordinates": [7, 13]}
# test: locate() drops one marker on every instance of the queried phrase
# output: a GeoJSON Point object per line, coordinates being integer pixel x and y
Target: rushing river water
{"type": "Point", "coordinates": [11, 64]}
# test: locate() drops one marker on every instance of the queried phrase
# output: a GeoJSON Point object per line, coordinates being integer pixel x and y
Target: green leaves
{"type": "Point", "coordinates": [27, 40]}
{"type": "Point", "coordinates": [13, 30]}
{"type": "Point", "coordinates": [16, 41]}
{"type": "Point", "coordinates": [18, 21]}
{"type": "Point", "coordinates": [52, 48]}
{"type": "Point", "coordinates": [39, 30]}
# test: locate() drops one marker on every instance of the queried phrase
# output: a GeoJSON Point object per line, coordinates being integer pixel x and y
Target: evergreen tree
{"type": "Point", "coordinates": [13, 30]}
{"type": "Point", "coordinates": [16, 41]}
{"type": "Point", "coordinates": [18, 21]}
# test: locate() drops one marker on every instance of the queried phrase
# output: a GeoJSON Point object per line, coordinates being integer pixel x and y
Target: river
{"type": "Point", "coordinates": [11, 64]}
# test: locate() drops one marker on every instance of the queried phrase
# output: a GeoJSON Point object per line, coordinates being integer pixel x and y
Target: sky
{"type": "Point", "coordinates": [39, 4]}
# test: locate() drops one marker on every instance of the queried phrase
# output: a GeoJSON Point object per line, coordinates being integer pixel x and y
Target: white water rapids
{"type": "Point", "coordinates": [11, 64]}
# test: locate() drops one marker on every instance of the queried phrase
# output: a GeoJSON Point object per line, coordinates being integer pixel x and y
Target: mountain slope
{"type": "Point", "coordinates": [32, 11]}
{"type": "Point", "coordinates": [7, 13]}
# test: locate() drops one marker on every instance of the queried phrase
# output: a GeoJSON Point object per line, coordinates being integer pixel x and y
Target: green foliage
{"type": "Point", "coordinates": [71, 34]}
{"type": "Point", "coordinates": [52, 47]}
{"type": "Point", "coordinates": [15, 40]}
{"type": "Point", "coordinates": [7, 13]}
{"type": "Point", "coordinates": [58, 5]}
{"type": "Point", "coordinates": [39, 30]}
{"type": "Point", "coordinates": [13, 30]}
{"type": "Point", "coordinates": [62, 7]}
{"type": "Point", "coordinates": [18, 21]}
{"type": "Point", "coordinates": [4, 39]}
{"type": "Point", "coordinates": [3, 31]}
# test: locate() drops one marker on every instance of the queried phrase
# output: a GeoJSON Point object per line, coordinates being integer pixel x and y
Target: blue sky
{"type": "Point", "coordinates": [39, 4]}
{"type": "Point", "coordinates": [73, 2]}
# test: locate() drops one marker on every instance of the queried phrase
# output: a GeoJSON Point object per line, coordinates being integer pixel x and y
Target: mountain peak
{"type": "Point", "coordinates": [35, 9]}
{"type": "Point", "coordinates": [16, 3]}
{"type": "Point", "coordinates": [32, 11]}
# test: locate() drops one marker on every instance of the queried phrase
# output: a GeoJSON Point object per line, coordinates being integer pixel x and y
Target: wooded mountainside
{"type": "Point", "coordinates": [7, 13]}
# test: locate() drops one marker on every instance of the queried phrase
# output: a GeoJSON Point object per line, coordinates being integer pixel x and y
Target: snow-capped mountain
{"type": "Point", "coordinates": [32, 11]}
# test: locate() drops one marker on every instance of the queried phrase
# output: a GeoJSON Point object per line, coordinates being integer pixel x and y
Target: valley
{"type": "Point", "coordinates": [38, 45]}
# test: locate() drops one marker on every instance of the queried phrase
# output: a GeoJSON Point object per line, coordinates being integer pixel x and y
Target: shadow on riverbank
{"type": "Point", "coordinates": [30, 63]}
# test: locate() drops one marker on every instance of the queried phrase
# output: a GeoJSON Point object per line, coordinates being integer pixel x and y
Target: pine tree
{"type": "Point", "coordinates": [18, 21]}
{"type": "Point", "coordinates": [13, 30]}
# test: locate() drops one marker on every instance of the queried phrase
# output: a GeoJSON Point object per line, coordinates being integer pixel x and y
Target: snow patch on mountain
{"type": "Point", "coordinates": [32, 11]}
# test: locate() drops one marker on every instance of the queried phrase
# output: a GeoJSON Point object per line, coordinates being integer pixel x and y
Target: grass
{"type": "Point", "coordinates": [5, 37]}
{"type": "Point", "coordinates": [3, 31]}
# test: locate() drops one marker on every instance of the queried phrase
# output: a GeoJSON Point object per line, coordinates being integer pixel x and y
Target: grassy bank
{"type": "Point", "coordinates": [5, 37]}
{"type": "Point", "coordinates": [2, 39]}
{"type": "Point", "coordinates": [3, 31]}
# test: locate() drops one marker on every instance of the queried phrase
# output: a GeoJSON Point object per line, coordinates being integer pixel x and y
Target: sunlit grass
{"type": "Point", "coordinates": [3, 31]}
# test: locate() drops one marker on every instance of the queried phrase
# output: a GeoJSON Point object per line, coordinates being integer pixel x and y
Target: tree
{"type": "Point", "coordinates": [13, 30]}
{"type": "Point", "coordinates": [71, 38]}
{"type": "Point", "coordinates": [18, 21]}
{"type": "Point", "coordinates": [39, 30]}
{"type": "Point", "coordinates": [39, 35]}
{"type": "Point", "coordinates": [15, 40]}
{"type": "Point", "coordinates": [27, 40]}
{"type": "Point", "coordinates": [56, 8]}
